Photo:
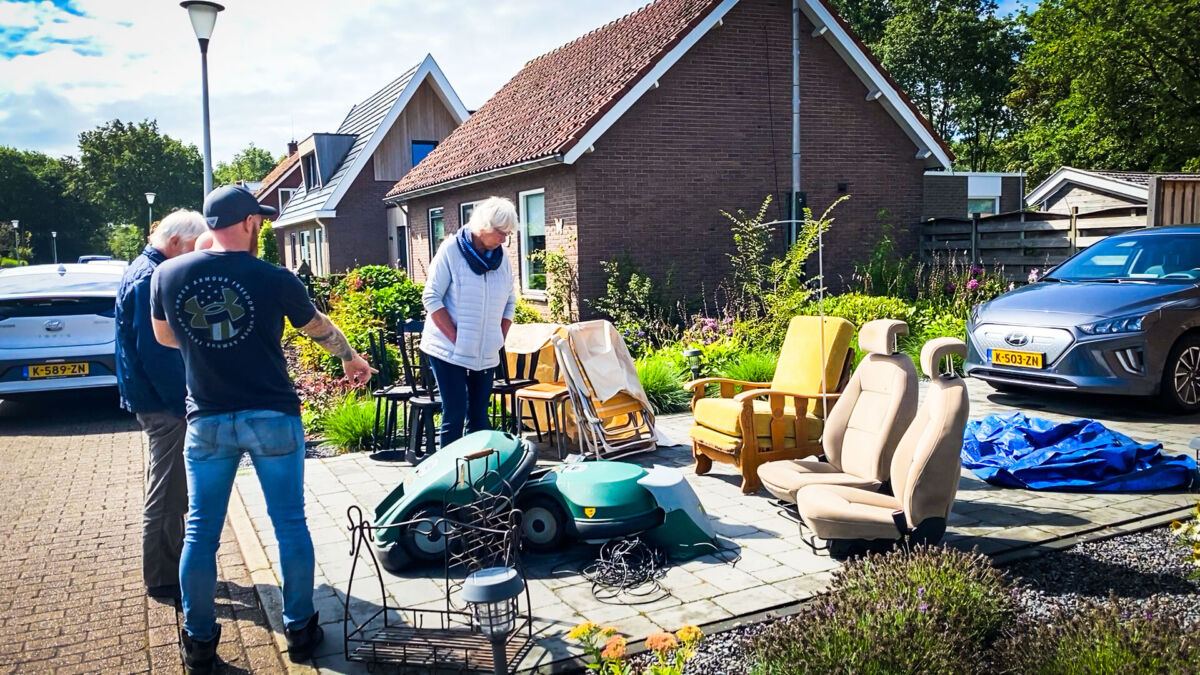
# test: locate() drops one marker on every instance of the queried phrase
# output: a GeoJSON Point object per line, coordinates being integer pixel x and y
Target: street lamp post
{"type": "Point", "coordinates": [54, 245]}
{"type": "Point", "coordinates": [203, 15]}
{"type": "Point", "coordinates": [16, 239]}
{"type": "Point", "coordinates": [149, 211]}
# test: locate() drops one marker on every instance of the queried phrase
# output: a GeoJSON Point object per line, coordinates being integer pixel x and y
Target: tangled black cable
{"type": "Point", "coordinates": [628, 571]}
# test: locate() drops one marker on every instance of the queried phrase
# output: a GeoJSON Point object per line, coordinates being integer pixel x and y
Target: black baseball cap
{"type": "Point", "coordinates": [230, 204]}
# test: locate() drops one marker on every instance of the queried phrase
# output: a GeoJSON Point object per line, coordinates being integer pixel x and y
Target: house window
{"type": "Point", "coordinates": [437, 230]}
{"type": "Point", "coordinates": [293, 261]}
{"type": "Point", "coordinates": [985, 206]}
{"type": "Point", "coordinates": [311, 179]}
{"type": "Point", "coordinates": [319, 252]}
{"type": "Point", "coordinates": [305, 248]}
{"type": "Point", "coordinates": [420, 149]}
{"type": "Point", "coordinates": [533, 238]}
{"type": "Point", "coordinates": [465, 210]}
{"type": "Point", "coordinates": [285, 195]}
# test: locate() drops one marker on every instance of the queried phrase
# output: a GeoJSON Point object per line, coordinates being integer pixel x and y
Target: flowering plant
{"type": "Point", "coordinates": [672, 651]}
{"type": "Point", "coordinates": [606, 650]}
{"type": "Point", "coordinates": [1189, 539]}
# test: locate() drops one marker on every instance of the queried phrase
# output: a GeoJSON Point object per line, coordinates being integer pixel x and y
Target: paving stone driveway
{"type": "Point", "coordinates": [774, 569]}
{"type": "Point", "coordinates": [71, 594]}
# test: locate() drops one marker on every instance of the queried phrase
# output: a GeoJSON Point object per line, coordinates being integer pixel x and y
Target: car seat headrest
{"type": "Point", "coordinates": [937, 349]}
{"type": "Point", "coordinates": [879, 336]}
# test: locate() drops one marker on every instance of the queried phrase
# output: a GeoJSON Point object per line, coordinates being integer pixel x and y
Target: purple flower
{"type": "Point", "coordinates": [972, 284]}
{"type": "Point", "coordinates": [976, 270]}
{"type": "Point", "coordinates": [922, 608]}
{"type": "Point", "coordinates": [1034, 274]}
{"type": "Point", "coordinates": [950, 287]}
{"type": "Point", "coordinates": [641, 333]}
{"type": "Point", "coordinates": [920, 591]}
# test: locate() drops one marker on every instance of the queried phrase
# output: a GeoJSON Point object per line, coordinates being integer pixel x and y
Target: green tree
{"type": "Point", "coordinates": [956, 58]}
{"type": "Point", "coordinates": [868, 18]}
{"type": "Point", "coordinates": [268, 247]}
{"type": "Point", "coordinates": [126, 241]}
{"type": "Point", "coordinates": [44, 194]}
{"type": "Point", "coordinates": [123, 161]}
{"type": "Point", "coordinates": [250, 164]}
{"type": "Point", "coordinates": [1110, 84]}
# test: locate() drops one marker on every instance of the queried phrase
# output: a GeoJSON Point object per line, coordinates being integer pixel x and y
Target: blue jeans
{"type": "Point", "coordinates": [466, 396]}
{"type": "Point", "coordinates": [213, 447]}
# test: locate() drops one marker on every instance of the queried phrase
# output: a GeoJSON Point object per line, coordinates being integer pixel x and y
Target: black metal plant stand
{"type": "Point", "coordinates": [483, 532]}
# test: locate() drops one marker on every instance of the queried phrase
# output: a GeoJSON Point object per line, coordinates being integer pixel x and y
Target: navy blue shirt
{"type": "Point", "coordinates": [149, 375]}
{"type": "Point", "coordinates": [227, 311]}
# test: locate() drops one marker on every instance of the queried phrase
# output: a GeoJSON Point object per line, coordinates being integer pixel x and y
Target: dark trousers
{"type": "Point", "coordinates": [466, 396]}
{"type": "Point", "coordinates": [166, 498]}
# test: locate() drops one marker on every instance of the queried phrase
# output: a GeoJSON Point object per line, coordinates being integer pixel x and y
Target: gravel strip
{"type": "Point", "coordinates": [1145, 569]}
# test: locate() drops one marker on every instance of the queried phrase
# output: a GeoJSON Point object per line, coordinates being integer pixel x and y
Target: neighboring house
{"type": "Point", "coordinates": [958, 194]}
{"type": "Point", "coordinates": [1171, 198]}
{"type": "Point", "coordinates": [633, 138]}
{"type": "Point", "coordinates": [280, 184]}
{"type": "Point", "coordinates": [337, 219]}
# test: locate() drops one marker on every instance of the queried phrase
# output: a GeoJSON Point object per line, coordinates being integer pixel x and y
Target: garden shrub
{"type": "Point", "coordinates": [526, 312]}
{"type": "Point", "coordinates": [858, 309]}
{"type": "Point", "coordinates": [930, 610]}
{"type": "Point", "coordinates": [942, 326]}
{"type": "Point", "coordinates": [350, 425]}
{"type": "Point", "coordinates": [11, 262]}
{"type": "Point", "coordinates": [663, 383]}
{"type": "Point", "coordinates": [369, 277]}
{"type": "Point", "coordinates": [637, 308]}
{"type": "Point", "coordinates": [752, 367]}
{"type": "Point", "coordinates": [1101, 639]}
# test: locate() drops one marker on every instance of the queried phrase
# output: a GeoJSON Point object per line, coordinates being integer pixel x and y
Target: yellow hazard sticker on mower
{"type": "Point", "coordinates": [589, 511]}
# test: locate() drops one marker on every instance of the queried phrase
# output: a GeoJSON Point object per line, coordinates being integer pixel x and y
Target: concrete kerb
{"type": "Point", "coordinates": [266, 584]}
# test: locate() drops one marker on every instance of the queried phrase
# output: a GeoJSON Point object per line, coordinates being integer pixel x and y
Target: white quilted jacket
{"type": "Point", "coordinates": [476, 303]}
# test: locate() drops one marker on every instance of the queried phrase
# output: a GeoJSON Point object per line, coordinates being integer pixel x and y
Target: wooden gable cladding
{"type": "Point", "coordinates": [425, 118]}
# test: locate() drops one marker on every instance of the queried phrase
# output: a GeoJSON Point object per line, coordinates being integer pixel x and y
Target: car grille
{"type": "Point", "coordinates": [1050, 341]}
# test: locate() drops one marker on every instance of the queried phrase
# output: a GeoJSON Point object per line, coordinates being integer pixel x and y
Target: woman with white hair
{"type": "Point", "coordinates": [469, 305]}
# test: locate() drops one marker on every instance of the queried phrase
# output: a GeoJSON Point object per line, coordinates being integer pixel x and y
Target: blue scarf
{"type": "Point", "coordinates": [480, 263]}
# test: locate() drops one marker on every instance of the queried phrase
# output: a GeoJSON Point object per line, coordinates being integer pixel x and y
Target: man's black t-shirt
{"type": "Point", "coordinates": [227, 311]}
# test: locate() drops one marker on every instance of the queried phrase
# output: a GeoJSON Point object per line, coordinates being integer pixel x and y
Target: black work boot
{"type": "Point", "coordinates": [302, 641]}
{"type": "Point", "coordinates": [199, 658]}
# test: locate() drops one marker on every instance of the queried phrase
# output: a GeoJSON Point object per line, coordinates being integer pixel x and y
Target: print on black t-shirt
{"type": "Point", "coordinates": [219, 313]}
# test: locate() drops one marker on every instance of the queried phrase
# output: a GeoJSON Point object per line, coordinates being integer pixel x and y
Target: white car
{"type": "Point", "coordinates": [57, 327]}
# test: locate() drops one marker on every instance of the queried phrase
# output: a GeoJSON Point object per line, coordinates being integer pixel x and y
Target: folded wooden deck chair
{"type": "Point", "coordinates": [529, 349]}
{"type": "Point", "coordinates": [612, 415]}
{"type": "Point", "coordinates": [864, 426]}
{"type": "Point", "coordinates": [760, 424]}
{"type": "Point", "coordinates": [924, 474]}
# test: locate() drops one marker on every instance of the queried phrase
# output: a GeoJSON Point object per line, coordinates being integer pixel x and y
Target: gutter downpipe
{"type": "Point", "coordinates": [796, 214]}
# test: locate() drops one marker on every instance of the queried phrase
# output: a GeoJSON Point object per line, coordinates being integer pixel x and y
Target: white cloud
{"type": "Point", "coordinates": [274, 65]}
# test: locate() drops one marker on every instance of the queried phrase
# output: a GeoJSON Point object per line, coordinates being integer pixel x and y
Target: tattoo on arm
{"type": "Point", "coordinates": [331, 339]}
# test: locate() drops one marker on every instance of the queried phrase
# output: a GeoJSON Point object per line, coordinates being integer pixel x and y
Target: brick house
{"type": "Point", "coordinates": [631, 140]}
{"type": "Point", "coordinates": [281, 183]}
{"type": "Point", "coordinates": [336, 218]}
{"type": "Point", "coordinates": [958, 194]}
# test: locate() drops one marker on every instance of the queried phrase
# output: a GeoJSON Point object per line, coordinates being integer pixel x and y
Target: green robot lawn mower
{"type": "Point", "coordinates": [591, 501]}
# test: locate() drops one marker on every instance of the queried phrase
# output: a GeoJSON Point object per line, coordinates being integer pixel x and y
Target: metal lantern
{"type": "Point", "coordinates": [693, 358]}
{"type": "Point", "coordinates": [492, 594]}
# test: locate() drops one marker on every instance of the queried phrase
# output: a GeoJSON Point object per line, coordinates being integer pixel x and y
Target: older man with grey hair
{"type": "Point", "coordinates": [151, 379]}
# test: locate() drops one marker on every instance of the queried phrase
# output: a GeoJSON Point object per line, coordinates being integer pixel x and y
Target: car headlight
{"type": "Point", "coordinates": [1125, 324]}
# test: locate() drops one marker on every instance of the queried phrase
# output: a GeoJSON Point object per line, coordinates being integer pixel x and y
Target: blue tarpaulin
{"type": "Point", "coordinates": [1014, 450]}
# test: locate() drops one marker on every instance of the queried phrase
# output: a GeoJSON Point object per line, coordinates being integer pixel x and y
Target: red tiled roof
{"type": "Point", "coordinates": [278, 172]}
{"type": "Point", "coordinates": [556, 97]}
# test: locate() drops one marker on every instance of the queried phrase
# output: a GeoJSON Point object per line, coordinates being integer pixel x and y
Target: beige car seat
{"type": "Point", "coordinates": [924, 474]}
{"type": "Point", "coordinates": [865, 424]}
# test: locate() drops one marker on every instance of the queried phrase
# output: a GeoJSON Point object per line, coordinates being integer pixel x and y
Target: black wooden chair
{"type": "Point", "coordinates": [505, 386]}
{"type": "Point", "coordinates": [394, 401]}
{"type": "Point", "coordinates": [419, 420]}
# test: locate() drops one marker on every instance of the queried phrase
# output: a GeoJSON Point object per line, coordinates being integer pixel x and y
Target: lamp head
{"type": "Point", "coordinates": [693, 356]}
{"type": "Point", "coordinates": [204, 17]}
{"type": "Point", "coordinates": [15, 223]}
{"type": "Point", "coordinates": [149, 197]}
{"type": "Point", "coordinates": [492, 594]}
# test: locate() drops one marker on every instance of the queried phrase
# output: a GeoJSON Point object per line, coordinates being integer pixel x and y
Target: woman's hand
{"type": "Point", "coordinates": [444, 323]}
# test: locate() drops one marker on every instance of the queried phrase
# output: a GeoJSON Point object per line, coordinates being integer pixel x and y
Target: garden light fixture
{"type": "Point", "coordinates": [16, 238]}
{"type": "Point", "coordinates": [693, 358]}
{"type": "Point", "coordinates": [149, 210]}
{"type": "Point", "coordinates": [204, 17]}
{"type": "Point", "coordinates": [492, 594]}
{"type": "Point", "coordinates": [54, 243]}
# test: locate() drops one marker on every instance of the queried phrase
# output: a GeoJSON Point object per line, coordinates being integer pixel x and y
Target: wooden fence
{"type": "Point", "coordinates": [1021, 242]}
{"type": "Point", "coordinates": [1174, 200]}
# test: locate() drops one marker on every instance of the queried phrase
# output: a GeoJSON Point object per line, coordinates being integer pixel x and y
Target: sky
{"type": "Point", "coordinates": [278, 69]}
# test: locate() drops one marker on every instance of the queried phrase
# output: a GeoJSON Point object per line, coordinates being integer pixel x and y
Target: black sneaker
{"type": "Point", "coordinates": [302, 641]}
{"type": "Point", "coordinates": [199, 658]}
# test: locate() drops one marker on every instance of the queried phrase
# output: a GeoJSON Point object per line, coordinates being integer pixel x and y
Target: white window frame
{"type": "Point", "coordinates": [305, 248]}
{"type": "Point", "coordinates": [521, 241]}
{"type": "Point", "coordinates": [283, 202]}
{"type": "Point", "coordinates": [319, 254]}
{"type": "Point", "coordinates": [462, 217]}
{"type": "Point", "coordinates": [995, 205]}
{"type": "Point", "coordinates": [312, 175]}
{"type": "Point", "coordinates": [294, 249]}
{"type": "Point", "coordinates": [429, 229]}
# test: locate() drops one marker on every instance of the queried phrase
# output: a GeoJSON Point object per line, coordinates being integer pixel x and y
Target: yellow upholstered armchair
{"type": "Point", "coordinates": [760, 424]}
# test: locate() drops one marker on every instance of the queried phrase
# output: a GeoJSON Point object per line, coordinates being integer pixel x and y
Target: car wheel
{"type": "Point", "coordinates": [425, 539]}
{"type": "Point", "coordinates": [543, 524]}
{"type": "Point", "coordinates": [393, 558]}
{"type": "Point", "coordinates": [1181, 375]}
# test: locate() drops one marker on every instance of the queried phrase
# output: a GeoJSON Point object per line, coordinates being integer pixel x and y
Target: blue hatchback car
{"type": "Point", "coordinates": [1120, 317]}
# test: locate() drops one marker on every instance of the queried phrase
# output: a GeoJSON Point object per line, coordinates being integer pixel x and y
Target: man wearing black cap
{"type": "Point", "coordinates": [224, 309]}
